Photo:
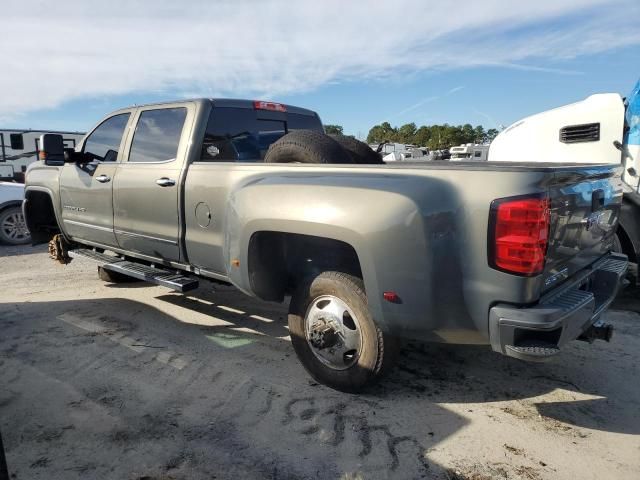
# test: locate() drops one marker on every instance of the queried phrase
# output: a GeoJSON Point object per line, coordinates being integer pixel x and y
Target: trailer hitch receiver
{"type": "Point", "coordinates": [597, 331]}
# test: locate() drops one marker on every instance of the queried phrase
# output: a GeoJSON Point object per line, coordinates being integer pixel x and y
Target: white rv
{"type": "Point", "coordinates": [603, 128]}
{"type": "Point", "coordinates": [398, 152]}
{"type": "Point", "coordinates": [469, 152]}
{"type": "Point", "coordinates": [19, 147]}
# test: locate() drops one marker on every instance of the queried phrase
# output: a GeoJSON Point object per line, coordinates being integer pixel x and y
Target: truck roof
{"type": "Point", "coordinates": [38, 130]}
{"type": "Point", "coordinates": [229, 102]}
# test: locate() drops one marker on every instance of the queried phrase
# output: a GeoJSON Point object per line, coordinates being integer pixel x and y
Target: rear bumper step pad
{"type": "Point", "coordinates": [539, 332]}
{"type": "Point", "coordinates": [159, 276]}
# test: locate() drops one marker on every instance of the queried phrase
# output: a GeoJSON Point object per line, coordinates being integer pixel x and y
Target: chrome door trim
{"type": "Point", "coordinates": [147, 237]}
{"type": "Point", "coordinates": [87, 225]}
{"type": "Point", "coordinates": [214, 275]}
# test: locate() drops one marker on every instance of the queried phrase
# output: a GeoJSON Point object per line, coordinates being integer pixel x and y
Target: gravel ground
{"type": "Point", "coordinates": [101, 381]}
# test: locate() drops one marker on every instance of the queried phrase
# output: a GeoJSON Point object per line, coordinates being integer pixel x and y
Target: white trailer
{"type": "Point", "coordinates": [469, 152]}
{"type": "Point", "coordinates": [399, 152]}
{"type": "Point", "coordinates": [20, 147]}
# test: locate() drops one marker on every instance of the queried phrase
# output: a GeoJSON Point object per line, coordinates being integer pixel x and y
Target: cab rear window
{"type": "Point", "coordinates": [244, 135]}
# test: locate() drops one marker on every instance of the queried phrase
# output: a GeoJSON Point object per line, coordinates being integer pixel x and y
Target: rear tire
{"type": "Point", "coordinates": [360, 152]}
{"type": "Point", "coordinates": [306, 146]}
{"type": "Point", "coordinates": [632, 272]}
{"type": "Point", "coordinates": [114, 277]}
{"type": "Point", "coordinates": [617, 244]}
{"type": "Point", "coordinates": [356, 368]}
{"type": "Point", "coordinates": [13, 228]}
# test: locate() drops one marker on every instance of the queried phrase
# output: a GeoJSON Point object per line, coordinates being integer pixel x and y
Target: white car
{"type": "Point", "coordinates": [13, 228]}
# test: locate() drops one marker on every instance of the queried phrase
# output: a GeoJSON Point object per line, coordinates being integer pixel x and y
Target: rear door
{"type": "Point", "coordinates": [86, 189]}
{"type": "Point", "coordinates": [147, 184]}
{"type": "Point", "coordinates": [234, 135]}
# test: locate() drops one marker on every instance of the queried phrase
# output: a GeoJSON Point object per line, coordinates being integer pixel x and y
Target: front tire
{"type": "Point", "coordinates": [13, 228]}
{"type": "Point", "coordinates": [334, 334]}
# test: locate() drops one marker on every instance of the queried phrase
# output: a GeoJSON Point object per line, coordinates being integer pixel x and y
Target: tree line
{"type": "Point", "coordinates": [433, 136]}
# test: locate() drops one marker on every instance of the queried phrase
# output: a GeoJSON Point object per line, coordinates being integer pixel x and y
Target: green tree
{"type": "Point", "coordinates": [480, 134]}
{"type": "Point", "coordinates": [422, 136]}
{"type": "Point", "coordinates": [375, 134]}
{"type": "Point", "coordinates": [435, 137]}
{"type": "Point", "coordinates": [454, 135]}
{"type": "Point", "coordinates": [468, 133]}
{"type": "Point", "coordinates": [435, 142]}
{"type": "Point", "coordinates": [406, 133]}
{"type": "Point", "coordinates": [333, 129]}
{"type": "Point", "coordinates": [491, 134]}
{"type": "Point", "coordinates": [382, 133]}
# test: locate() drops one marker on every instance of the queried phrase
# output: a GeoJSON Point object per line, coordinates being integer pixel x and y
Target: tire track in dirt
{"type": "Point", "coordinates": [94, 326]}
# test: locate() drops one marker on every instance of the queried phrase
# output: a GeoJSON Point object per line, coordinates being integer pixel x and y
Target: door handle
{"type": "Point", "coordinates": [166, 182]}
{"type": "Point", "coordinates": [103, 179]}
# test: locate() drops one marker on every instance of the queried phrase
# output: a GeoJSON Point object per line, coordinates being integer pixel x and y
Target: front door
{"type": "Point", "coordinates": [147, 185]}
{"type": "Point", "coordinates": [86, 193]}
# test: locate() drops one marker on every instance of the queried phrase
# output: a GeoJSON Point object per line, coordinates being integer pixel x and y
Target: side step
{"type": "Point", "coordinates": [159, 276]}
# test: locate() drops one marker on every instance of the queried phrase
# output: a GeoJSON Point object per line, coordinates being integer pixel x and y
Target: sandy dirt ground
{"type": "Point", "coordinates": [103, 381]}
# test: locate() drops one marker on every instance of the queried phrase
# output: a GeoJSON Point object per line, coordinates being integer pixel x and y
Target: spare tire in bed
{"type": "Point", "coordinates": [306, 146]}
{"type": "Point", "coordinates": [359, 151]}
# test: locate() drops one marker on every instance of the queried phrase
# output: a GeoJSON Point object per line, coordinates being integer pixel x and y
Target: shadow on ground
{"type": "Point", "coordinates": [15, 250]}
{"type": "Point", "coordinates": [119, 381]}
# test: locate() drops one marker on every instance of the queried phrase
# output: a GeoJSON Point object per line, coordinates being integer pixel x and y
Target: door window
{"type": "Point", "coordinates": [157, 135]}
{"type": "Point", "coordinates": [104, 141]}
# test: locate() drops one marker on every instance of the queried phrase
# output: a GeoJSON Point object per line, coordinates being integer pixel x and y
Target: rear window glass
{"type": "Point", "coordinates": [157, 135]}
{"type": "Point", "coordinates": [238, 135]}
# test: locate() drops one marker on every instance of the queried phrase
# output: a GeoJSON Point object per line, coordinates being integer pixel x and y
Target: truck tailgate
{"type": "Point", "coordinates": [584, 208]}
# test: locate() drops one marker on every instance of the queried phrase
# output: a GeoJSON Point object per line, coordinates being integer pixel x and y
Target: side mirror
{"type": "Point", "coordinates": [52, 149]}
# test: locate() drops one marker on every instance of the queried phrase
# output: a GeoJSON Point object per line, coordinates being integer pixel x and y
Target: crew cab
{"type": "Point", "coordinates": [513, 255]}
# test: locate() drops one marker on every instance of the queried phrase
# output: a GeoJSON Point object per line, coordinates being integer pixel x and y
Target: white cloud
{"type": "Point", "coordinates": [58, 51]}
{"type": "Point", "coordinates": [424, 101]}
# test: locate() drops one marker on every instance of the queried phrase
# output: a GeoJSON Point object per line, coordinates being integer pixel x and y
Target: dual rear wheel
{"type": "Point", "coordinates": [334, 334]}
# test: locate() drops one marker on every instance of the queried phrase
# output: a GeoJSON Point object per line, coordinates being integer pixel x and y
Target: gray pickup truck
{"type": "Point", "coordinates": [516, 256]}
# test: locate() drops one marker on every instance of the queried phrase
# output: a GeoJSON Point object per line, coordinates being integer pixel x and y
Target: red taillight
{"type": "Point", "coordinates": [276, 107]}
{"type": "Point", "coordinates": [520, 235]}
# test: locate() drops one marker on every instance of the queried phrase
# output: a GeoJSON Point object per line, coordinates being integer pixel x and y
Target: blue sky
{"type": "Point", "coordinates": [487, 63]}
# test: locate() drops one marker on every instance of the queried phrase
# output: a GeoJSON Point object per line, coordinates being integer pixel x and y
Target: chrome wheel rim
{"type": "Point", "coordinates": [332, 316]}
{"type": "Point", "coordinates": [14, 227]}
